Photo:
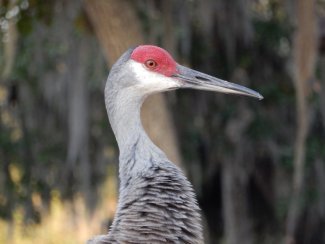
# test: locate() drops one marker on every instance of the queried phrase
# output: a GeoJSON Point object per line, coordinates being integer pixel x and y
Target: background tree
{"type": "Point", "coordinates": [304, 60]}
{"type": "Point", "coordinates": [258, 168]}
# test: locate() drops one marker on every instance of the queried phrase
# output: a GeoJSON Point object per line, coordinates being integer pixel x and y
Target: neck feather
{"type": "Point", "coordinates": [123, 109]}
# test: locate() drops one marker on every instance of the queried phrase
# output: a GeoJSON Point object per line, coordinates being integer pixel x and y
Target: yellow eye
{"type": "Point", "coordinates": [151, 64]}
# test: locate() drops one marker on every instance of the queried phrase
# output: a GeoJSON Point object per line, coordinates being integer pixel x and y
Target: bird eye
{"type": "Point", "coordinates": [151, 64]}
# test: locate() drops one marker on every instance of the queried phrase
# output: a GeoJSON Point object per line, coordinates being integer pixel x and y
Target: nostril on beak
{"type": "Point", "coordinates": [201, 78]}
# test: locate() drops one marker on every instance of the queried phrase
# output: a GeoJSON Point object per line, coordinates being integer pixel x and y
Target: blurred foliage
{"type": "Point", "coordinates": [34, 126]}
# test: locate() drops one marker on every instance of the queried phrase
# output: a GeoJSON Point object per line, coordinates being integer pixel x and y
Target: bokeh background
{"type": "Point", "coordinates": [258, 167]}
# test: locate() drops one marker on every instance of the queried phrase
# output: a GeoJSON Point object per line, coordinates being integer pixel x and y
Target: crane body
{"type": "Point", "coordinates": [156, 203]}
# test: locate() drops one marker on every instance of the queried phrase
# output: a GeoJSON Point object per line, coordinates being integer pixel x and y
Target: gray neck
{"type": "Point", "coordinates": [123, 110]}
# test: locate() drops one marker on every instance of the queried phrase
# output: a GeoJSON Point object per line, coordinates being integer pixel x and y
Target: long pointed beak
{"type": "Point", "coordinates": [197, 80]}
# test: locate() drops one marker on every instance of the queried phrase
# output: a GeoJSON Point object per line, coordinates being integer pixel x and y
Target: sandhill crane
{"type": "Point", "coordinates": [156, 202]}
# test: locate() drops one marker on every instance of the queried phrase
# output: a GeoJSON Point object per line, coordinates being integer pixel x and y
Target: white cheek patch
{"type": "Point", "coordinates": [151, 81]}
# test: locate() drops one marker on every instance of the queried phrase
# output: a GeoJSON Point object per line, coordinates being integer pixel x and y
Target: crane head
{"type": "Point", "coordinates": [154, 70]}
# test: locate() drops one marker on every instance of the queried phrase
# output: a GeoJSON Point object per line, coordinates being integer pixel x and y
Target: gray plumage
{"type": "Point", "coordinates": [156, 202]}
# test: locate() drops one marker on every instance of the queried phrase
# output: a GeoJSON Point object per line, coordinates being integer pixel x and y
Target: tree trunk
{"type": "Point", "coordinates": [235, 176]}
{"type": "Point", "coordinates": [304, 58]}
{"type": "Point", "coordinates": [322, 90]}
{"type": "Point", "coordinates": [78, 117]}
{"type": "Point", "coordinates": [73, 79]}
{"type": "Point", "coordinates": [11, 44]}
{"type": "Point", "coordinates": [117, 32]}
